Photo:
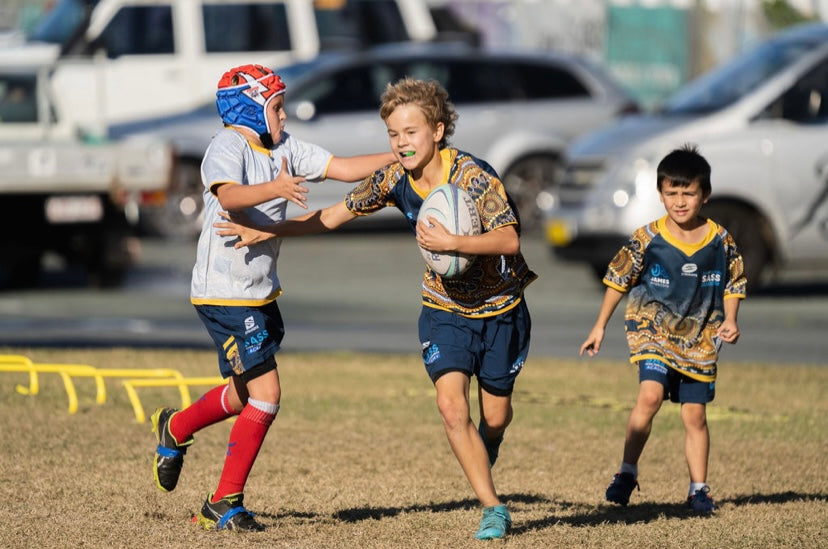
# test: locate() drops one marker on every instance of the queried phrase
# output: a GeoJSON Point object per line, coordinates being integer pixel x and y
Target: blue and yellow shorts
{"type": "Point", "coordinates": [246, 338]}
{"type": "Point", "coordinates": [677, 386]}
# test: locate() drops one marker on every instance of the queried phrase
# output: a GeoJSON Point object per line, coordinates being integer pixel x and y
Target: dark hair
{"type": "Point", "coordinates": [429, 96]}
{"type": "Point", "coordinates": [682, 167]}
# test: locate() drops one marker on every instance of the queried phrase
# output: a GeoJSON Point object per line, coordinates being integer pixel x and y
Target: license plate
{"type": "Point", "coordinates": [73, 209]}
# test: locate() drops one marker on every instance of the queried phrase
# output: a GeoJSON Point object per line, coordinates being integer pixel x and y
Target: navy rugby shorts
{"type": "Point", "coordinates": [677, 386]}
{"type": "Point", "coordinates": [494, 348]}
{"type": "Point", "coordinates": [246, 338]}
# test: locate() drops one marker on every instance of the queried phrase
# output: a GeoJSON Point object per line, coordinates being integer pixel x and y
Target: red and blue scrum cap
{"type": "Point", "coordinates": [243, 94]}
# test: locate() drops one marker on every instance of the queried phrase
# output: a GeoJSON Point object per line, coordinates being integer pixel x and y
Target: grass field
{"type": "Point", "coordinates": [358, 458]}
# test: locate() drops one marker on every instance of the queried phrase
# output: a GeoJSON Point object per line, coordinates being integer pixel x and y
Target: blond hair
{"type": "Point", "coordinates": [429, 95]}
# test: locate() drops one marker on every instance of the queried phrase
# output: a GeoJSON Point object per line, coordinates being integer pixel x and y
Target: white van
{"type": "Point", "coordinates": [125, 60]}
{"type": "Point", "coordinates": [762, 123]}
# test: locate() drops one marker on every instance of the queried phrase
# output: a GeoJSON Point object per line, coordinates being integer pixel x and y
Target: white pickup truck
{"type": "Point", "coordinates": [63, 194]}
{"type": "Point", "coordinates": [124, 60]}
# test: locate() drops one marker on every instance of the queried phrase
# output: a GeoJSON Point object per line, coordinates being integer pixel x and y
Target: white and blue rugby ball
{"type": "Point", "coordinates": [455, 210]}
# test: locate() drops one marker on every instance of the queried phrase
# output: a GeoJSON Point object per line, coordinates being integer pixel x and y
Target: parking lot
{"type": "Point", "coordinates": [361, 291]}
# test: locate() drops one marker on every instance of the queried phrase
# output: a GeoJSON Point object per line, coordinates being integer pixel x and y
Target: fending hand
{"type": "Point", "coordinates": [247, 235]}
{"type": "Point", "coordinates": [289, 187]}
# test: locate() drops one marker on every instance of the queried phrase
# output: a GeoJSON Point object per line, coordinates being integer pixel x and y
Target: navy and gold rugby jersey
{"type": "Point", "coordinates": [676, 295]}
{"type": "Point", "coordinates": [493, 284]}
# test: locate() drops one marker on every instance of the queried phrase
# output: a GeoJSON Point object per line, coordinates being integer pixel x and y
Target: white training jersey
{"type": "Point", "coordinates": [223, 275]}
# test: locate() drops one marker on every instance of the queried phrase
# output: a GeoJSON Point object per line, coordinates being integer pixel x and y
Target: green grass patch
{"type": "Point", "coordinates": [358, 458]}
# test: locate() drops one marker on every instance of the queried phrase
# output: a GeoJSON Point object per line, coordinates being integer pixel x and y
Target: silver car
{"type": "Point", "coordinates": [762, 123]}
{"type": "Point", "coordinates": [518, 111]}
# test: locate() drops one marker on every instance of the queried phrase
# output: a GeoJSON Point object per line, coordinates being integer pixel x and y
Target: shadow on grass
{"type": "Point", "coordinates": [375, 513]}
{"type": "Point", "coordinates": [589, 515]}
{"type": "Point", "coordinates": [574, 514]}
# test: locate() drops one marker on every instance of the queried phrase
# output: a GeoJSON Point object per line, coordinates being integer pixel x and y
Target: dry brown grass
{"type": "Point", "coordinates": [357, 458]}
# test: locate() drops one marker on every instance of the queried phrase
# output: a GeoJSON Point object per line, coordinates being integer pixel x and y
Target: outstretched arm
{"type": "Point", "coordinates": [356, 168]}
{"type": "Point", "coordinates": [596, 336]}
{"type": "Point", "coordinates": [315, 222]}
{"type": "Point", "coordinates": [238, 197]}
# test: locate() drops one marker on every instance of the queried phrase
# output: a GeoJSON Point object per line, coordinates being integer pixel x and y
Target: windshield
{"type": "Point", "coordinates": [727, 84]}
{"type": "Point", "coordinates": [60, 23]}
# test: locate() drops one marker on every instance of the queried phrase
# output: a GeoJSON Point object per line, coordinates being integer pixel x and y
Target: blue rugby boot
{"type": "Point", "coordinates": [621, 487]}
{"type": "Point", "coordinates": [701, 502]}
{"type": "Point", "coordinates": [228, 513]}
{"type": "Point", "coordinates": [495, 524]}
{"type": "Point", "coordinates": [169, 455]}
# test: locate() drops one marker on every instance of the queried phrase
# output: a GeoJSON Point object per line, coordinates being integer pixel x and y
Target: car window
{"type": "Point", "coordinates": [140, 30]}
{"type": "Point", "coordinates": [482, 81]}
{"type": "Point", "coordinates": [59, 24]}
{"type": "Point", "coordinates": [806, 102]}
{"type": "Point", "coordinates": [727, 84]}
{"type": "Point", "coordinates": [18, 102]}
{"type": "Point", "coordinates": [487, 80]}
{"type": "Point", "coordinates": [349, 90]}
{"type": "Point", "coordinates": [546, 82]}
{"type": "Point", "coordinates": [359, 22]}
{"type": "Point", "coordinates": [245, 27]}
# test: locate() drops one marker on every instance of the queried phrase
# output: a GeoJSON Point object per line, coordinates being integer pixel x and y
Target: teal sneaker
{"type": "Point", "coordinates": [492, 446]}
{"type": "Point", "coordinates": [495, 524]}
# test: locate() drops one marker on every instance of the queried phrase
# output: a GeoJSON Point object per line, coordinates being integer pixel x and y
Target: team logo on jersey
{"type": "Point", "coordinates": [711, 278]}
{"type": "Point", "coordinates": [689, 269]}
{"type": "Point", "coordinates": [659, 276]}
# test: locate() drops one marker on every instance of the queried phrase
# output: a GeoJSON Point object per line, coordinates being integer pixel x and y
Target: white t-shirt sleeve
{"type": "Point", "coordinates": [308, 160]}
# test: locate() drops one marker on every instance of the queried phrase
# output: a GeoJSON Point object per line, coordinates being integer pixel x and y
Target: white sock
{"type": "Point", "coordinates": [629, 468]}
{"type": "Point", "coordinates": [695, 487]}
{"type": "Point", "coordinates": [265, 407]}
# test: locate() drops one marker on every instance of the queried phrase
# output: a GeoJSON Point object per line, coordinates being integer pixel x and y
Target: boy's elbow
{"type": "Point", "coordinates": [512, 244]}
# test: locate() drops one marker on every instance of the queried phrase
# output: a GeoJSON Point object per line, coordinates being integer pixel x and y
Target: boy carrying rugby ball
{"type": "Point", "coordinates": [476, 324]}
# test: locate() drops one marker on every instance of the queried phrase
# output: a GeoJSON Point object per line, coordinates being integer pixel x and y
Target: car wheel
{"type": "Point", "coordinates": [179, 217]}
{"type": "Point", "coordinates": [524, 181]}
{"type": "Point", "coordinates": [751, 233]}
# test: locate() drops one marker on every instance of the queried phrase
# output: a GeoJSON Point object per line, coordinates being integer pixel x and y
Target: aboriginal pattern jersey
{"type": "Point", "coordinates": [493, 284]}
{"type": "Point", "coordinates": [676, 295]}
{"type": "Point", "coordinates": [223, 275]}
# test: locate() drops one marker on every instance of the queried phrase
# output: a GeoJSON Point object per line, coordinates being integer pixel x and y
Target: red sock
{"type": "Point", "coordinates": [211, 408]}
{"type": "Point", "coordinates": [246, 439]}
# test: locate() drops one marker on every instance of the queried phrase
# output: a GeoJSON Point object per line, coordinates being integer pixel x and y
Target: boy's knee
{"type": "Point", "coordinates": [455, 413]}
{"type": "Point", "coordinates": [694, 416]}
{"type": "Point", "coordinates": [649, 401]}
{"type": "Point", "coordinates": [497, 421]}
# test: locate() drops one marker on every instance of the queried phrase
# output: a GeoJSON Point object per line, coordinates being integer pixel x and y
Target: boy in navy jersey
{"type": "Point", "coordinates": [685, 279]}
{"type": "Point", "coordinates": [476, 324]}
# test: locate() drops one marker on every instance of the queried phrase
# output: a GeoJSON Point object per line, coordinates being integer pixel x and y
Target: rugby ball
{"type": "Point", "coordinates": [455, 210]}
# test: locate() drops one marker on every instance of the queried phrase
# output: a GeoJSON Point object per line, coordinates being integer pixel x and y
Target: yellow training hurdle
{"type": "Point", "coordinates": [137, 377]}
{"type": "Point", "coordinates": [181, 383]}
